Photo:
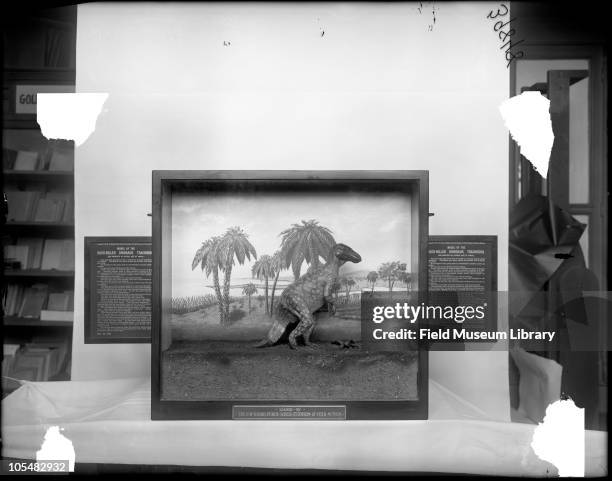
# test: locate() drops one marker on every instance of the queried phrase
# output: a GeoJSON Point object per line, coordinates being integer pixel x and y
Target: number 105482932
{"type": "Point", "coordinates": [30, 467]}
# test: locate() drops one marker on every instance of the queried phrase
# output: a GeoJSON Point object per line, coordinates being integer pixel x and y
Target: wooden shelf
{"type": "Point", "coordinates": [14, 122]}
{"type": "Point", "coordinates": [57, 229]}
{"type": "Point", "coordinates": [38, 224]}
{"type": "Point", "coordinates": [36, 273]}
{"type": "Point", "coordinates": [25, 322]}
{"type": "Point", "coordinates": [39, 175]}
{"type": "Point", "coordinates": [31, 223]}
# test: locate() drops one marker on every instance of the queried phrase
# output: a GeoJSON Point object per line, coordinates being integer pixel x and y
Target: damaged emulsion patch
{"type": "Point", "coordinates": [69, 116]}
{"type": "Point", "coordinates": [56, 447]}
{"type": "Point", "coordinates": [559, 438]}
{"type": "Point", "coordinates": [527, 116]}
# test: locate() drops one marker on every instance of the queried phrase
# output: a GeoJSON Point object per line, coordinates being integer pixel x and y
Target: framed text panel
{"type": "Point", "coordinates": [118, 290]}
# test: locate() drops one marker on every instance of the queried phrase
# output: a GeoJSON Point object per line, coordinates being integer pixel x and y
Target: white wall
{"type": "Point", "coordinates": [377, 91]}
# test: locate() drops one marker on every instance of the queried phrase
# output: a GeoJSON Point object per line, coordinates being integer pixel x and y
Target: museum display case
{"type": "Point", "coordinates": [219, 352]}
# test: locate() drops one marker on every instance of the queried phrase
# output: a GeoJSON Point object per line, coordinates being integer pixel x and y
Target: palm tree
{"type": "Point", "coordinates": [406, 278]}
{"type": "Point", "coordinates": [263, 269]}
{"type": "Point", "coordinates": [335, 288]}
{"type": "Point", "coordinates": [249, 290]}
{"type": "Point", "coordinates": [372, 277]}
{"type": "Point", "coordinates": [207, 256]}
{"type": "Point", "coordinates": [392, 272]}
{"type": "Point", "coordinates": [387, 273]}
{"type": "Point", "coordinates": [305, 242]}
{"type": "Point", "coordinates": [278, 265]}
{"type": "Point", "coordinates": [347, 282]}
{"type": "Point", "coordinates": [234, 243]}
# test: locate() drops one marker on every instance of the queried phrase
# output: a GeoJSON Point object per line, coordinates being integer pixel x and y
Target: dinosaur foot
{"type": "Point", "coordinates": [307, 347]}
{"type": "Point", "coordinates": [262, 343]}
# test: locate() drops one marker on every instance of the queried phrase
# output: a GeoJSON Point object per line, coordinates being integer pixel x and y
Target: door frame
{"type": "Point", "coordinates": [597, 207]}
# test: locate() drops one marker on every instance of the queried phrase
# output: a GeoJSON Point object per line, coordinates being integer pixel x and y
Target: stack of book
{"type": "Point", "coordinates": [60, 307]}
{"type": "Point", "coordinates": [38, 360]}
{"type": "Point", "coordinates": [39, 253]}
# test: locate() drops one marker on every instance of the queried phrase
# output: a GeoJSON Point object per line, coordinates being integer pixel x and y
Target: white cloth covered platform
{"type": "Point", "coordinates": [109, 422]}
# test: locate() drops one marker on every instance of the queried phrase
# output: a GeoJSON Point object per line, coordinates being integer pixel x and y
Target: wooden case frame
{"type": "Point", "coordinates": [167, 181]}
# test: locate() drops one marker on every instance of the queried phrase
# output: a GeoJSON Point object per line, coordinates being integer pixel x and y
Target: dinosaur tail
{"type": "Point", "coordinates": [276, 331]}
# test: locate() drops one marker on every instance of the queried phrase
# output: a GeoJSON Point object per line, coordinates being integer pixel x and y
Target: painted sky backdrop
{"type": "Point", "coordinates": [376, 225]}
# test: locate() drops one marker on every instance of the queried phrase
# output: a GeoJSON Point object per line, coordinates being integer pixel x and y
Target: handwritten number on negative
{"type": "Point", "coordinates": [498, 12]}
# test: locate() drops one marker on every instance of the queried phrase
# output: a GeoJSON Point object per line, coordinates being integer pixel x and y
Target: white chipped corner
{"type": "Point", "coordinates": [56, 447]}
{"type": "Point", "coordinates": [527, 117]}
{"type": "Point", "coordinates": [560, 438]}
{"type": "Point", "coordinates": [69, 116]}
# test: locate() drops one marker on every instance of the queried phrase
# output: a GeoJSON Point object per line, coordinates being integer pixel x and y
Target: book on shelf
{"type": "Point", "coordinates": [66, 202]}
{"type": "Point", "coordinates": [34, 300]}
{"type": "Point", "coordinates": [10, 349]}
{"type": "Point", "coordinates": [26, 160]}
{"type": "Point", "coordinates": [23, 373]}
{"type": "Point", "coordinates": [21, 204]}
{"type": "Point", "coordinates": [58, 254]}
{"type": "Point", "coordinates": [13, 299]}
{"type": "Point", "coordinates": [70, 300]}
{"type": "Point", "coordinates": [60, 307]}
{"type": "Point", "coordinates": [35, 248]}
{"type": "Point", "coordinates": [68, 217]}
{"type": "Point", "coordinates": [17, 254]}
{"type": "Point", "coordinates": [61, 161]}
{"type": "Point", "coordinates": [49, 210]}
{"type": "Point", "coordinates": [67, 255]}
{"type": "Point", "coordinates": [8, 158]}
{"type": "Point", "coordinates": [8, 360]}
{"type": "Point", "coordinates": [50, 315]}
{"type": "Point", "coordinates": [34, 361]}
{"type": "Point", "coordinates": [58, 301]}
{"type": "Point", "coordinates": [55, 348]}
{"type": "Point", "coordinates": [52, 253]}
{"type": "Point", "coordinates": [38, 360]}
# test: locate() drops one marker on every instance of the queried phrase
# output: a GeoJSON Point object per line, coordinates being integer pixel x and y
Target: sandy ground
{"type": "Point", "coordinates": [229, 370]}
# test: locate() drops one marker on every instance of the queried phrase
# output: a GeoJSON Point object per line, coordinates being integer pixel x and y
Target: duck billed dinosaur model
{"type": "Point", "coordinates": [303, 297]}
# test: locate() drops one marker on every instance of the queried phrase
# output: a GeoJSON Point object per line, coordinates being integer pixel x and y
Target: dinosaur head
{"type": "Point", "coordinates": [345, 254]}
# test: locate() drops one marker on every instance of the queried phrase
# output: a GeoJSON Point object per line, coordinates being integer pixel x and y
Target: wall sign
{"type": "Point", "coordinates": [25, 96]}
{"type": "Point", "coordinates": [118, 289]}
{"type": "Point", "coordinates": [463, 271]}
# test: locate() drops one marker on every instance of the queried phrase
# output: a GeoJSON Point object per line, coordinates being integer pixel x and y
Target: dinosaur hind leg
{"type": "Point", "coordinates": [307, 334]}
{"type": "Point", "coordinates": [304, 327]}
{"type": "Point", "coordinates": [278, 328]}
